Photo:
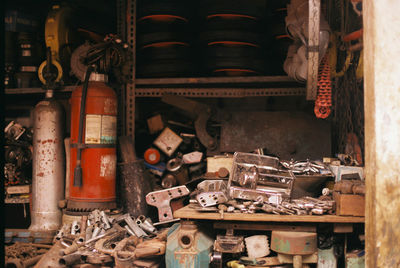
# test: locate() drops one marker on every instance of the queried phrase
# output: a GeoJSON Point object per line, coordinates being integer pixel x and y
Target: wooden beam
{"type": "Point", "coordinates": [382, 128]}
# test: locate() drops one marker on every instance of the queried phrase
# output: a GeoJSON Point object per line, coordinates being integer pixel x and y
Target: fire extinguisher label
{"type": "Point", "coordinates": [93, 129]}
{"type": "Point", "coordinates": [100, 129]}
{"type": "Point", "coordinates": [108, 129]}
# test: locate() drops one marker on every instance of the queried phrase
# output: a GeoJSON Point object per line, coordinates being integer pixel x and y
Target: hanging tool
{"type": "Point", "coordinates": [61, 38]}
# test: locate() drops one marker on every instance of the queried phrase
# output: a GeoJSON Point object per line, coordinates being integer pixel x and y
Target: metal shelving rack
{"type": "Point", "coordinates": [217, 87]}
{"type": "Point", "coordinates": [203, 87]}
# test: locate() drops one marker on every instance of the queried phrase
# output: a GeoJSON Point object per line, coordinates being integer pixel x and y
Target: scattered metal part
{"type": "Point", "coordinates": [256, 195]}
{"type": "Point", "coordinates": [258, 178]}
{"type": "Point", "coordinates": [192, 158]}
{"type": "Point", "coordinates": [93, 239]}
{"type": "Point", "coordinates": [326, 191]}
{"type": "Point", "coordinates": [106, 222]}
{"type": "Point", "coordinates": [70, 249]}
{"type": "Point", "coordinates": [199, 208]}
{"type": "Point", "coordinates": [129, 230]}
{"type": "Point", "coordinates": [18, 263]}
{"type": "Point", "coordinates": [96, 231]}
{"type": "Point", "coordinates": [161, 199]}
{"type": "Point", "coordinates": [168, 181]}
{"type": "Point", "coordinates": [63, 243]}
{"type": "Point", "coordinates": [207, 199]}
{"type": "Point", "coordinates": [75, 227]}
{"type": "Point", "coordinates": [222, 208]}
{"type": "Point", "coordinates": [166, 222]}
{"type": "Point", "coordinates": [212, 185]}
{"type": "Point", "coordinates": [178, 169]}
{"type": "Point", "coordinates": [71, 259]}
{"type": "Point", "coordinates": [89, 232]}
{"type": "Point", "coordinates": [216, 260]}
{"type": "Point", "coordinates": [229, 243]}
{"type": "Point", "coordinates": [202, 112]}
{"type": "Point", "coordinates": [95, 245]}
{"type": "Point", "coordinates": [146, 224]}
{"type": "Point", "coordinates": [230, 209]}
{"type": "Point", "coordinates": [305, 167]}
{"type": "Point", "coordinates": [98, 259]}
{"type": "Point", "coordinates": [132, 225]}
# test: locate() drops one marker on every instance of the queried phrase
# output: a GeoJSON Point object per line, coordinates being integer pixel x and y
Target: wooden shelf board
{"type": "Point", "coordinates": [189, 213]}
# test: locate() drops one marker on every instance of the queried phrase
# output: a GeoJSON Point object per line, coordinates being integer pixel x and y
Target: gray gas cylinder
{"type": "Point", "coordinates": [48, 166]}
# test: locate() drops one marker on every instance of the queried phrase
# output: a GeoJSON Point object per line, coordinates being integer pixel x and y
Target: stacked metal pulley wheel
{"type": "Point", "coordinates": [232, 38]}
{"type": "Point", "coordinates": [280, 38]}
{"type": "Point", "coordinates": [163, 35]}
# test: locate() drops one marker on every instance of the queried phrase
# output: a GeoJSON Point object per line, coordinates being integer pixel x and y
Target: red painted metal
{"type": "Point", "coordinates": [98, 164]}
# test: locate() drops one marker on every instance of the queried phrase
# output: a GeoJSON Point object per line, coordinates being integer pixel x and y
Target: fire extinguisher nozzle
{"type": "Point", "coordinates": [78, 176]}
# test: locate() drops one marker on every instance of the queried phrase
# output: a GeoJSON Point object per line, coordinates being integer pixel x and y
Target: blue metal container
{"type": "Point", "coordinates": [187, 246]}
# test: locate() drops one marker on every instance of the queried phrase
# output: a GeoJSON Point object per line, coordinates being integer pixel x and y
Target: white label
{"type": "Point", "coordinates": [93, 129]}
{"type": "Point", "coordinates": [108, 165]}
{"type": "Point", "coordinates": [108, 129]}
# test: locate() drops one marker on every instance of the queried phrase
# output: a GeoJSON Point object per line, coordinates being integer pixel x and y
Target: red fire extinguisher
{"type": "Point", "coordinates": [93, 145]}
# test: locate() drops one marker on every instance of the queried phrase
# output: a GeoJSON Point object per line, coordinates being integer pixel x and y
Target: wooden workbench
{"type": "Point", "coordinates": [189, 213]}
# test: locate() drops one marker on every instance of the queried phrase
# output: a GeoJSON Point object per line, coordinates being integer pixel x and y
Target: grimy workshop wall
{"type": "Point", "coordinates": [382, 131]}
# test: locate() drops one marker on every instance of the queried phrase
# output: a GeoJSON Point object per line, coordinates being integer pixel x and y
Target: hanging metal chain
{"type": "Point", "coordinates": [348, 108]}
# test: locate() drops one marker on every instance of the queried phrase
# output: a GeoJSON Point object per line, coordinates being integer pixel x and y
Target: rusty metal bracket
{"type": "Point", "coordinates": [161, 199]}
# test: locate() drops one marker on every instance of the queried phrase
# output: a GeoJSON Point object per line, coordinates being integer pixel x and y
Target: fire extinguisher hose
{"type": "Point", "coordinates": [78, 168]}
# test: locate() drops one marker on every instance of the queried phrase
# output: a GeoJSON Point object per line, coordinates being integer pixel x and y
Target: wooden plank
{"type": "Point", "coordinates": [188, 213]}
{"type": "Point", "coordinates": [302, 227]}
